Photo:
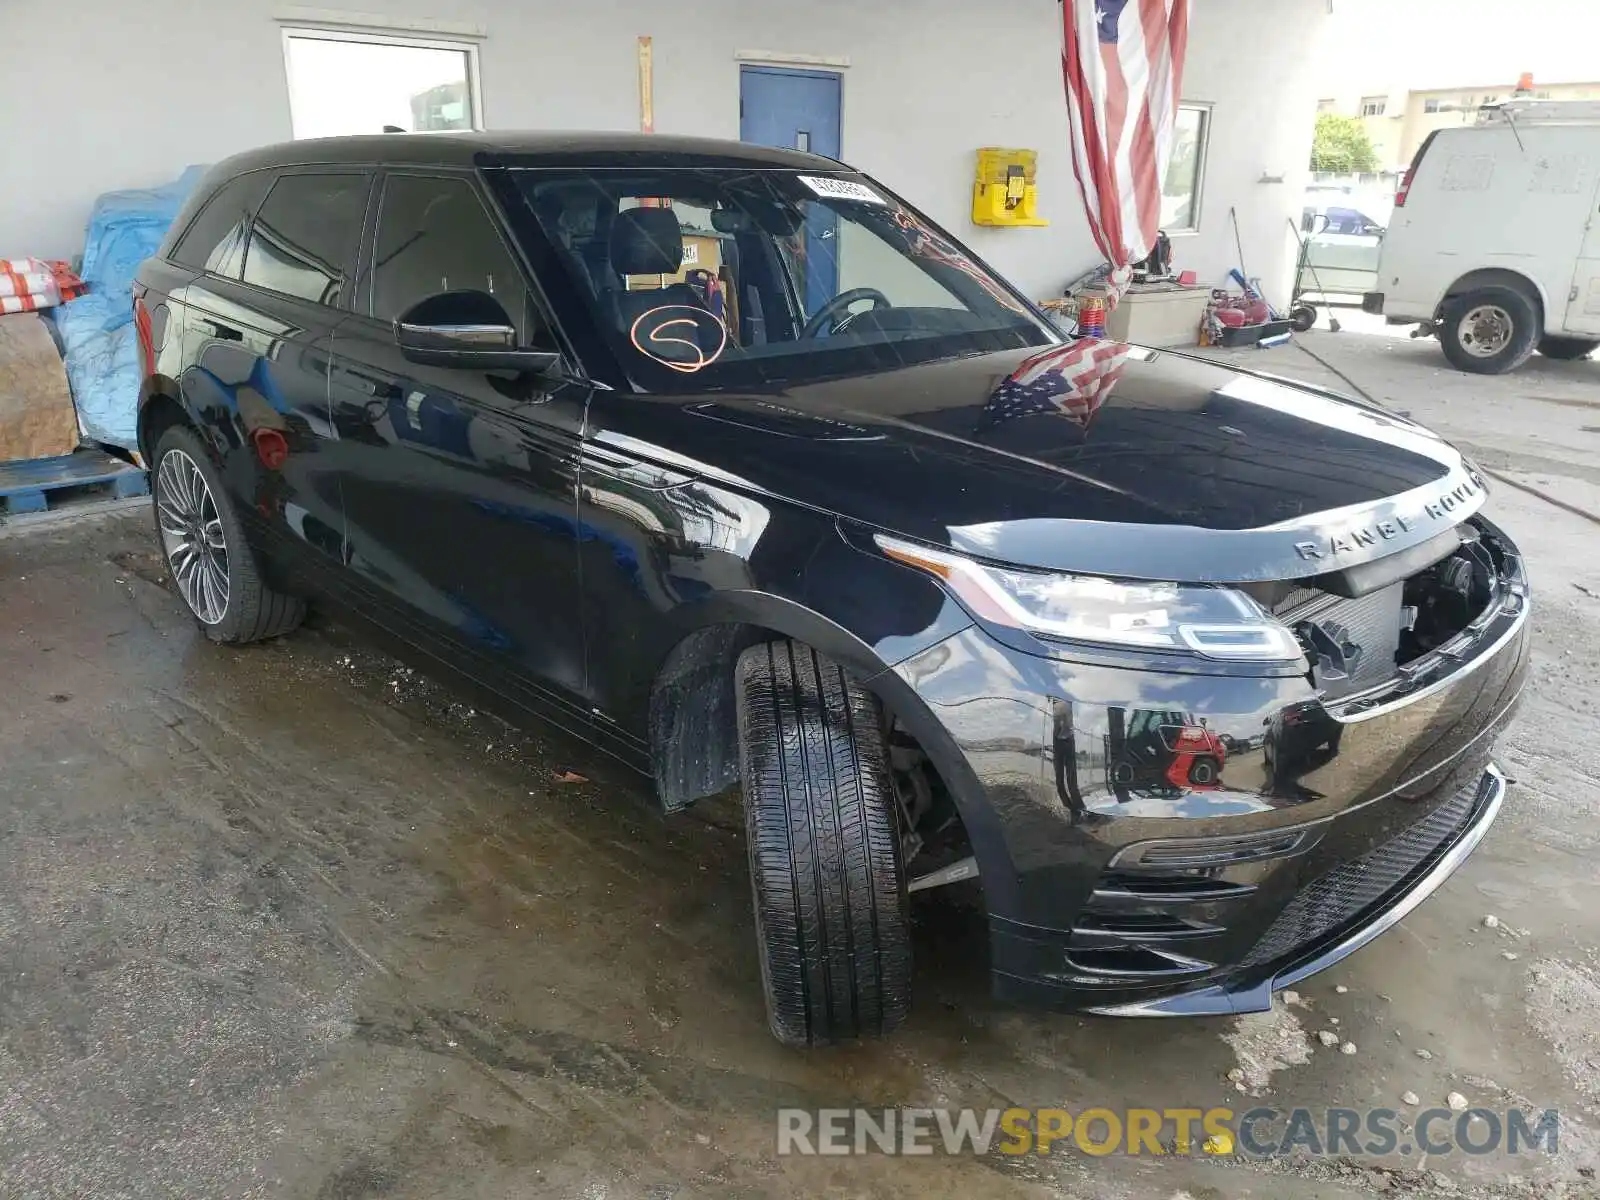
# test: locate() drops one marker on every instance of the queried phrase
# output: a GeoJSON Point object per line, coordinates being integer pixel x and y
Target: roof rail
{"type": "Point", "coordinates": [1541, 112]}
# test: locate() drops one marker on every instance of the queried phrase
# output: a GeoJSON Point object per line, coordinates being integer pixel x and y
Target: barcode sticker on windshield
{"type": "Point", "coordinates": [841, 189]}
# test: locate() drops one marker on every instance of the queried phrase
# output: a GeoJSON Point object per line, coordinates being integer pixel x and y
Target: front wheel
{"type": "Point", "coordinates": [205, 548]}
{"type": "Point", "coordinates": [1205, 771]}
{"type": "Point", "coordinates": [1566, 349]}
{"type": "Point", "coordinates": [832, 927]}
{"type": "Point", "coordinates": [1490, 331]}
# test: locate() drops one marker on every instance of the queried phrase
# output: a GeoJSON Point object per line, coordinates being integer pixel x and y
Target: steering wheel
{"type": "Point", "coordinates": [837, 310]}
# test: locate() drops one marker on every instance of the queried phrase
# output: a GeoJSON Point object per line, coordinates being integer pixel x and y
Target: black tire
{"type": "Point", "coordinates": [1526, 329]}
{"type": "Point", "coordinates": [1204, 771]}
{"type": "Point", "coordinates": [253, 611]}
{"type": "Point", "coordinates": [832, 927]}
{"type": "Point", "coordinates": [1303, 318]}
{"type": "Point", "coordinates": [1567, 349]}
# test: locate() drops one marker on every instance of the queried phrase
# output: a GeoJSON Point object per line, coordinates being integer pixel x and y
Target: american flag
{"type": "Point", "coordinates": [1072, 381]}
{"type": "Point", "coordinates": [1123, 61]}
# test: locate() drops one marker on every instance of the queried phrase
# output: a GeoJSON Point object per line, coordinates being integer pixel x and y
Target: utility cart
{"type": "Point", "coordinates": [1335, 270]}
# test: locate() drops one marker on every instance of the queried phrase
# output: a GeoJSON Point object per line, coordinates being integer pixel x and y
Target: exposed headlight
{"type": "Point", "coordinates": [1216, 622]}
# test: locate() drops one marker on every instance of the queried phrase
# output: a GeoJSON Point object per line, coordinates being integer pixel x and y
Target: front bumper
{"type": "Point", "coordinates": [1343, 911]}
{"type": "Point", "coordinates": [1127, 871]}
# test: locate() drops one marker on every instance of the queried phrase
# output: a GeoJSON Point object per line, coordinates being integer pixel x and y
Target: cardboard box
{"type": "Point", "coordinates": [37, 419]}
{"type": "Point", "coordinates": [1162, 315]}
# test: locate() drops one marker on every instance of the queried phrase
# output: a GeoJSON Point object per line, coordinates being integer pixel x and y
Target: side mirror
{"type": "Point", "coordinates": [467, 331]}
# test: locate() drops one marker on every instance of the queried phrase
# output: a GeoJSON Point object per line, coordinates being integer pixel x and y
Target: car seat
{"type": "Point", "coordinates": [649, 241]}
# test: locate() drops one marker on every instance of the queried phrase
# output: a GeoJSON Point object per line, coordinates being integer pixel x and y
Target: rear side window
{"type": "Point", "coordinates": [215, 241]}
{"type": "Point", "coordinates": [434, 235]}
{"type": "Point", "coordinates": [305, 236]}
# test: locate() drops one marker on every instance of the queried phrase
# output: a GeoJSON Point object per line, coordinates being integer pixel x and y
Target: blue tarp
{"type": "Point", "coordinates": [98, 339]}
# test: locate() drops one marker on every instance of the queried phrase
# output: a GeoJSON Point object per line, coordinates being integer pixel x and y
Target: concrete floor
{"type": "Point", "coordinates": [292, 921]}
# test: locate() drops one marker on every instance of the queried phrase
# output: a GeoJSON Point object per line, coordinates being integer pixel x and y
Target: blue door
{"type": "Point", "coordinates": [798, 110]}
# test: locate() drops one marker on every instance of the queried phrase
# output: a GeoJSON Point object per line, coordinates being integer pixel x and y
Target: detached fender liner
{"type": "Point", "coordinates": [830, 897]}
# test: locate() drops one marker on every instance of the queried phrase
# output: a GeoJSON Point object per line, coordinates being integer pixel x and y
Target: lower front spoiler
{"type": "Point", "coordinates": [1229, 999]}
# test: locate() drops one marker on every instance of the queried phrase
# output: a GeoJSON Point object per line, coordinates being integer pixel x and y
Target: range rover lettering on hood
{"type": "Point", "coordinates": [1448, 507]}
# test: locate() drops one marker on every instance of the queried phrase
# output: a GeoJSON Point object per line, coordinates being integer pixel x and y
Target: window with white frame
{"type": "Point", "coordinates": [1374, 106]}
{"type": "Point", "coordinates": [1186, 173]}
{"type": "Point", "coordinates": [342, 83]}
{"type": "Point", "coordinates": [1432, 105]}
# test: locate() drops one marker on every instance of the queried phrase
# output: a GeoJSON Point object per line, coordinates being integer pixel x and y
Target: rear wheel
{"type": "Point", "coordinates": [204, 545]}
{"type": "Point", "coordinates": [1303, 318]}
{"type": "Point", "coordinates": [830, 898]}
{"type": "Point", "coordinates": [1490, 331]}
{"type": "Point", "coordinates": [1566, 349]}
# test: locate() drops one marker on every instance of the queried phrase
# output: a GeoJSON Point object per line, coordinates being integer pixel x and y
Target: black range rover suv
{"type": "Point", "coordinates": [732, 463]}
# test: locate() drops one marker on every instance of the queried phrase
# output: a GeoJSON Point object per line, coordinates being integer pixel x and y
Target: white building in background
{"type": "Point", "coordinates": [1399, 119]}
{"type": "Point", "coordinates": [921, 85]}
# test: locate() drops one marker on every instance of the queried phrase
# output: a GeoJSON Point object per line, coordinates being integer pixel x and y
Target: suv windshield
{"type": "Point", "coordinates": [704, 279]}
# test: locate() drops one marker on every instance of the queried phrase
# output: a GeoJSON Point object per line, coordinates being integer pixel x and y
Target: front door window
{"type": "Point", "coordinates": [434, 236]}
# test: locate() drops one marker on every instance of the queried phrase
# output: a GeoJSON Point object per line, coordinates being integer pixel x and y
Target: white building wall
{"type": "Point", "coordinates": [104, 94]}
{"type": "Point", "coordinates": [1257, 64]}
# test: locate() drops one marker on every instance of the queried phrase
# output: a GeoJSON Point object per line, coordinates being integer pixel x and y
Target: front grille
{"type": "Point", "coordinates": [1347, 891]}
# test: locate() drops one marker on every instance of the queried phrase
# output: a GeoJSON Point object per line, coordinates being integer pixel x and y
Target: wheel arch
{"type": "Point", "coordinates": [693, 725]}
{"type": "Point", "coordinates": [160, 408]}
{"type": "Point", "coordinates": [1497, 277]}
{"type": "Point", "coordinates": [693, 747]}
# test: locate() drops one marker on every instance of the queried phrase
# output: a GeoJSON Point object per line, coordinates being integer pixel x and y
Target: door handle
{"type": "Point", "coordinates": [378, 389]}
{"type": "Point", "coordinates": [226, 333]}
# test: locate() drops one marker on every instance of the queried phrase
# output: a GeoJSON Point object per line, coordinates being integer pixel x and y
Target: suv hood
{"type": "Point", "coordinates": [1093, 457]}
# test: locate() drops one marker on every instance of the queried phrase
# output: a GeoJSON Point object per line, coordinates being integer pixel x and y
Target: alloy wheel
{"type": "Point", "coordinates": [192, 535]}
{"type": "Point", "coordinates": [1486, 330]}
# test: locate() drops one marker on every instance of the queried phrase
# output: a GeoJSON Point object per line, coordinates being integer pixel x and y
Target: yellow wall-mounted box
{"type": "Point", "coordinates": [1006, 192]}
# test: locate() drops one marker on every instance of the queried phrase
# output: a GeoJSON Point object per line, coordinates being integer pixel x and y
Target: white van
{"type": "Point", "coordinates": [1495, 241]}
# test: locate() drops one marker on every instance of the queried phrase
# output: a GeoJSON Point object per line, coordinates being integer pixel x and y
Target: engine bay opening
{"type": "Point", "coordinates": [1355, 644]}
{"type": "Point", "coordinates": [1441, 602]}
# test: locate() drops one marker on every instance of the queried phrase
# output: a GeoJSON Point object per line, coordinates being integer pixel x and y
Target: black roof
{"type": "Point", "coordinates": [530, 149]}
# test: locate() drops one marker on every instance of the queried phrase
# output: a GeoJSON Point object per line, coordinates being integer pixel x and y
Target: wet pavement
{"type": "Point", "coordinates": [294, 921]}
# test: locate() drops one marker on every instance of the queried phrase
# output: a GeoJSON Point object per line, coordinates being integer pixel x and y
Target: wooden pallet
{"type": "Point", "coordinates": [37, 485]}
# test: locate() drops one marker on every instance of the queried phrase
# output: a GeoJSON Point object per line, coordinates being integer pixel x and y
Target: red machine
{"type": "Point", "coordinates": [1197, 759]}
